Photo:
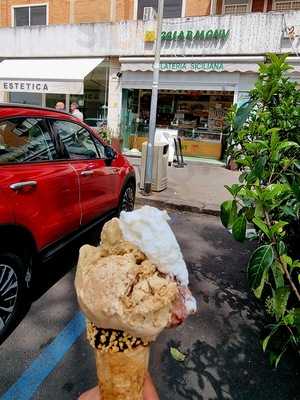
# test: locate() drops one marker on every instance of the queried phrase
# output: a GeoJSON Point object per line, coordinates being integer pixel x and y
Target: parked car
{"type": "Point", "coordinates": [57, 180]}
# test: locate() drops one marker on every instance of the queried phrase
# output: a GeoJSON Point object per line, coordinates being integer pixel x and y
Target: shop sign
{"type": "Point", "coordinates": [196, 66]}
{"type": "Point", "coordinates": [210, 34]}
{"type": "Point", "coordinates": [31, 86]}
{"type": "Point", "coordinates": [24, 86]}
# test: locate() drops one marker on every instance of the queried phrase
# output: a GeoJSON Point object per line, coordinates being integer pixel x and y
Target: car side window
{"type": "Point", "coordinates": [76, 140]}
{"type": "Point", "coordinates": [25, 140]}
{"type": "Point", "coordinates": [100, 147]}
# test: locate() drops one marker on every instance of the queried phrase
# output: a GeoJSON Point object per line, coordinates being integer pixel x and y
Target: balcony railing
{"type": "Point", "coordinates": [286, 5]}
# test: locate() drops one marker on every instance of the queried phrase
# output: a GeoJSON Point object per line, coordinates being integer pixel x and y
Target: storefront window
{"type": "Point", "coordinates": [197, 116]}
{"type": "Point", "coordinates": [34, 99]}
{"type": "Point", "coordinates": [93, 104]}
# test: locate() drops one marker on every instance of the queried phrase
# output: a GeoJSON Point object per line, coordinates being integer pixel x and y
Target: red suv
{"type": "Point", "coordinates": [57, 180]}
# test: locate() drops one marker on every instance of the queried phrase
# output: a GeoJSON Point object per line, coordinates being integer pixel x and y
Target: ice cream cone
{"type": "Point", "coordinates": [121, 375]}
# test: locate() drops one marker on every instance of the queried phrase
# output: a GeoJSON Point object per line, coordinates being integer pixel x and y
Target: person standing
{"type": "Point", "coordinates": [75, 111]}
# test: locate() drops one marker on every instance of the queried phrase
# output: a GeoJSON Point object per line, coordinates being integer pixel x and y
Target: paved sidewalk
{"type": "Point", "coordinates": [197, 188]}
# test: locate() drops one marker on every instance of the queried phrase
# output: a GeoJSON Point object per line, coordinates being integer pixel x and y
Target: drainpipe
{"type": "Point", "coordinates": [72, 11]}
{"type": "Point", "coordinates": [213, 7]}
{"type": "Point", "coordinates": [113, 10]}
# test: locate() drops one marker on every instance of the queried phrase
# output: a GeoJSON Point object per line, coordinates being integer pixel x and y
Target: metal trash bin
{"type": "Point", "coordinates": [159, 167]}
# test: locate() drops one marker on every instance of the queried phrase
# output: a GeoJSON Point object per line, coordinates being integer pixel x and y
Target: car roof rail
{"type": "Point", "coordinates": [28, 106]}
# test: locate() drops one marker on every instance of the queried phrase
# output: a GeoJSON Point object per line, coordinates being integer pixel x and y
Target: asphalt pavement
{"type": "Point", "coordinates": [47, 356]}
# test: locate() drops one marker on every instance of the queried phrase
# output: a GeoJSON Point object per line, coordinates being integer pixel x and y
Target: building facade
{"type": "Point", "coordinates": [101, 53]}
{"type": "Point", "coordinates": [37, 12]}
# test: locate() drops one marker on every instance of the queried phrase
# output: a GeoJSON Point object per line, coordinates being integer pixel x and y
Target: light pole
{"type": "Point", "coordinates": [154, 97]}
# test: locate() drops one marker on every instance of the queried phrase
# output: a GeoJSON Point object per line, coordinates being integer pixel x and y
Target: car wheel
{"type": "Point", "coordinates": [127, 198]}
{"type": "Point", "coordinates": [12, 291]}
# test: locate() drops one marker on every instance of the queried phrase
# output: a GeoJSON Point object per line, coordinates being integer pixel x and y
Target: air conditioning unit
{"type": "Point", "coordinates": [149, 14]}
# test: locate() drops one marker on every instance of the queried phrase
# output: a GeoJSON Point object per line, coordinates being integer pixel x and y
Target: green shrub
{"type": "Point", "coordinates": [265, 144]}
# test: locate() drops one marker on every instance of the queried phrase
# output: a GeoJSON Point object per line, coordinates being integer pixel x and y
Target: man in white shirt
{"type": "Point", "coordinates": [75, 111]}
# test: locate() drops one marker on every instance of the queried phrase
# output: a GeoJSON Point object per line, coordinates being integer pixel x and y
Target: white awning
{"type": "Point", "coordinates": [61, 76]}
{"type": "Point", "coordinates": [194, 64]}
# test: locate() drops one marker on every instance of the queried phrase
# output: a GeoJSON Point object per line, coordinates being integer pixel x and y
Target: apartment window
{"type": "Point", "coordinates": [29, 16]}
{"type": "Point", "coordinates": [236, 6]}
{"type": "Point", "coordinates": [172, 8]}
{"type": "Point", "coordinates": [285, 5]}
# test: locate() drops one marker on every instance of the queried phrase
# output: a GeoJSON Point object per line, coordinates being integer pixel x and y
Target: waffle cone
{"type": "Point", "coordinates": [121, 375]}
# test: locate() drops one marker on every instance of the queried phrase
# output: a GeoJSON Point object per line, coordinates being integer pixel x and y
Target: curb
{"type": "Point", "coordinates": [178, 207]}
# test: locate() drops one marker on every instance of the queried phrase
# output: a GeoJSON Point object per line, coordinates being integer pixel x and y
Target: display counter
{"type": "Point", "coordinates": [198, 143]}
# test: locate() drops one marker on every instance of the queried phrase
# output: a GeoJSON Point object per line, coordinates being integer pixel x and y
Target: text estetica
{"type": "Point", "coordinates": [26, 86]}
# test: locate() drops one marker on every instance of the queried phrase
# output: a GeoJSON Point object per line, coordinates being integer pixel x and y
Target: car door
{"type": "Point", "coordinates": [98, 180]}
{"type": "Point", "coordinates": [43, 191]}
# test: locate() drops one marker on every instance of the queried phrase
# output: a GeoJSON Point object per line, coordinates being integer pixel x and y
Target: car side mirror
{"type": "Point", "coordinates": [110, 154]}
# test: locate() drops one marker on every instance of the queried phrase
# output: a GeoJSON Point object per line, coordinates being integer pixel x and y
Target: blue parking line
{"type": "Point", "coordinates": [44, 364]}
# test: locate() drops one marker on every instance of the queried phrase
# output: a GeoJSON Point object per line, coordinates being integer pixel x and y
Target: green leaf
{"type": "Point", "coordinates": [177, 355]}
{"type": "Point", "coordinates": [234, 189]}
{"type": "Point", "coordinates": [282, 146]}
{"type": "Point", "coordinates": [296, 190]}
{"type": "Point", "coordinates": [280, 301]}
{"type": "Point", "coordinates": [278, 275]}
{"type": "Point", "coordinates": [297, 318]}
{"type": "Point", "coordinates": [289, 211]}
{"type": "Point", "coordinates": [228, 212]}
{"type": "Point", "coordinates": [267, 339]}
{"type": "Point", "coordinates": [278, 358]}
{"type": "Point", "coordinates": [265, 342]}
{"type": "Point", "coordinates": [277, 228]}
{"type": "Point", "coordinates": [281, 248]}
{"type": "Point", "coordinates": [286, 145]}
{"type": "Point", "coordinates": [242, 177]}
{"type": "Point", "coordinates": [259, 209]}
{"type": "Point", "coordinates": [296, 264]}
{"type": "Point", "coordinates": [274, 137]}
{"type": "Point", "coordinates": [286, 260]}
{"type": "Point", "coordinates": [260, 261]}
{"type": "Point", "coordinates": [274, 190]}
{"type": "Point", "coordinates": [252, 147]}
{"type": "Point", "coordinates": [262, 226]}
{"type": "Point", "coordinates": [242, 114]}
{"type": "Point", "coordinates": [258, 291]}
{"type": "Point", "coordinates": [259, 167]}
{"type": "Point", "coordinates": [239, 228]}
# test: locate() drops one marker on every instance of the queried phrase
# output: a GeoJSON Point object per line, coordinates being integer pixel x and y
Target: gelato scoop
{"type": "Point", "coordinates": [133, 280]}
